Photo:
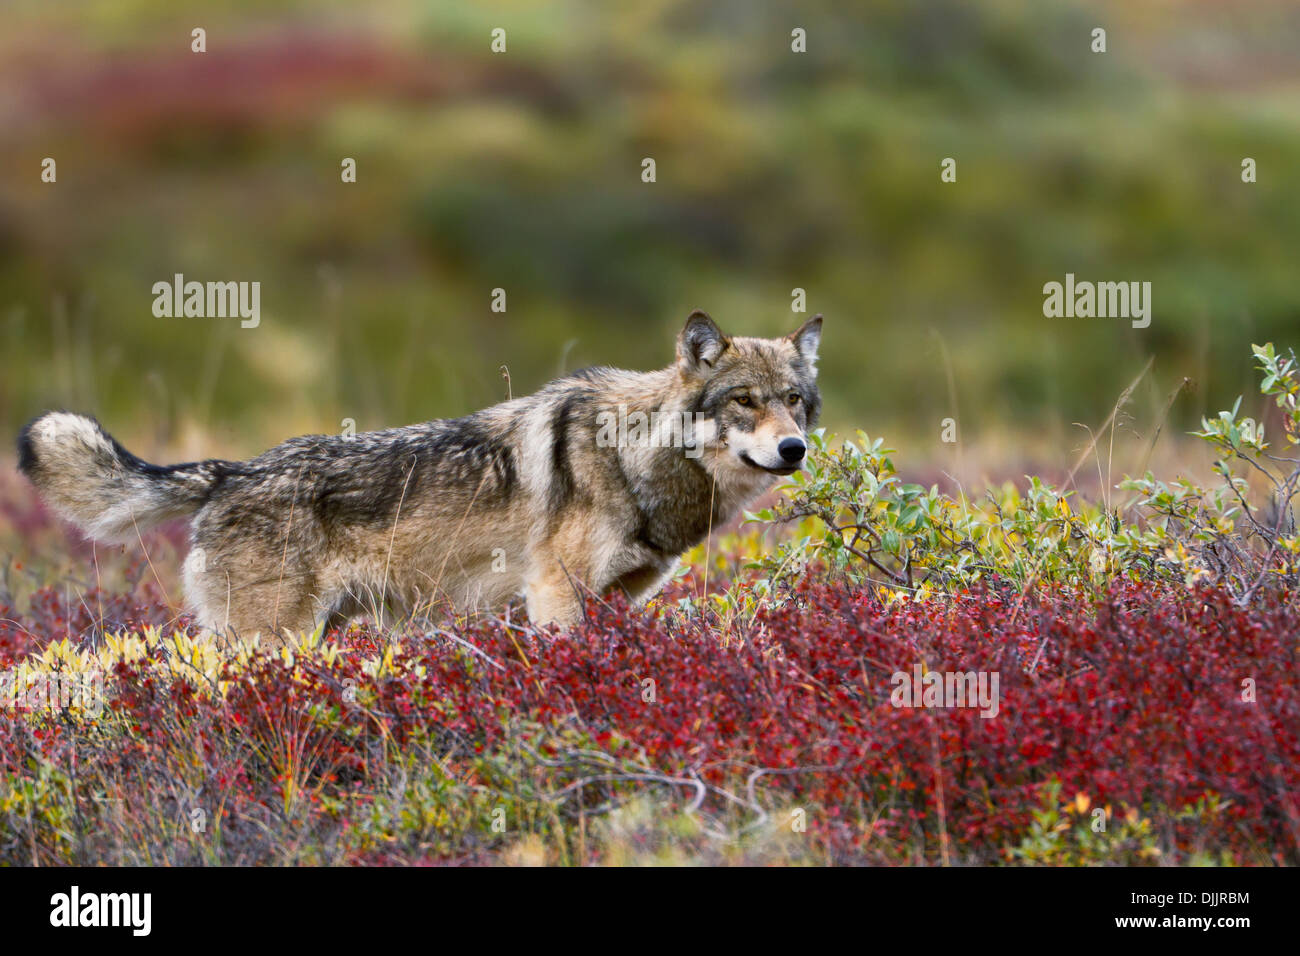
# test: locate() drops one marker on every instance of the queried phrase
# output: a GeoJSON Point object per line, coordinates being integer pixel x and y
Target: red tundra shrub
{"type": "Point", "coordinates": [1149, 700]}
{"type": "Point", "coordinates": [1156, 703]}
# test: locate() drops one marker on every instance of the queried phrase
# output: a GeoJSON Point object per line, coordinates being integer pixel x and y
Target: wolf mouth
{"type": "Point", "coordinates": [788, 470]}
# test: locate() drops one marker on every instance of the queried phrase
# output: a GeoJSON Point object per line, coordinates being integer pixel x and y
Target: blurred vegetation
{"type": "Point", "coordinates": [522, 170]}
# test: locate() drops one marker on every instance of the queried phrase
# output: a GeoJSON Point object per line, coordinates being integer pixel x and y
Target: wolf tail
{"type": "Point", "coordinates": [107, 492]}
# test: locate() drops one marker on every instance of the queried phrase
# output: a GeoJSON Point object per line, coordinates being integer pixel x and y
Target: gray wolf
{"type": "Point", "coordinates": [528, 497]}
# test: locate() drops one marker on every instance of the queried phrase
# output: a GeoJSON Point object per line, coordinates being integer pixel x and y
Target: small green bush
{"type": "Point", "coordinates": [868, 526]}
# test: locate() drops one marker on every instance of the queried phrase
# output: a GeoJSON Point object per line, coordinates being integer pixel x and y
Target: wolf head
{"type": "Point", "coordinates": [758, 397]}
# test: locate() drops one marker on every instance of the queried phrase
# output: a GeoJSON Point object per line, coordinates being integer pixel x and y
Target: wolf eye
{"type": "Point", "coordinates": [794, 398]}
{"type": "Point", "coordinates": [744, 401]}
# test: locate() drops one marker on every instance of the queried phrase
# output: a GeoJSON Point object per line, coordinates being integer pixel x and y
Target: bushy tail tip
{"type": "Point", "coordinates": [85, 476]}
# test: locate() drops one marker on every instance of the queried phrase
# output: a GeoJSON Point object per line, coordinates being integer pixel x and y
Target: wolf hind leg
{"type": "Point", "coordinates": [229, 605]}
{"type": "Point", "coordinates": [272, 613]}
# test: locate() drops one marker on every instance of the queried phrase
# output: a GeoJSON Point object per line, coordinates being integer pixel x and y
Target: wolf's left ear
{"type": "Point", "coordinates": [701, 343]}
{"type": "Point", "coordinates": [807, 339]}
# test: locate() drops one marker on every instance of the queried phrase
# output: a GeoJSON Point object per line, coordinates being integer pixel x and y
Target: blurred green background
{"type": "Point", "coordinates": [522, 170]}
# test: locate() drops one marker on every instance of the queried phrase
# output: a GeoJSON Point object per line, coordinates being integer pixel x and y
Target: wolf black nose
{"type": "Point", "coordinates": [791, 450]}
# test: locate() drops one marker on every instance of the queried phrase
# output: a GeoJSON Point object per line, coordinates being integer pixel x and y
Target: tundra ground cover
{"type": "Point", "coordinates": [1146, 709]}
{"type": "Point", "coordinates": [1170, 715]}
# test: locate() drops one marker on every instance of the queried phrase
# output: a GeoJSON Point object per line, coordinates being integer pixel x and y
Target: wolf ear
{"type": "Point", "coordinates": [700, 343]}
{"type": "Point", "coordinates": [807, 339]}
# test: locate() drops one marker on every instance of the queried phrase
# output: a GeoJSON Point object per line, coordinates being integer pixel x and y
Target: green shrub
{"type": "Point", "coordinates": [868, 526]}
{"type": "Point", "coordinates": [1237, 536]}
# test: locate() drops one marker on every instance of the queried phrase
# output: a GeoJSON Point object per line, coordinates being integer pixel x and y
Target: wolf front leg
{"type": "Point", "coordinates": [558, 575]}
{"type": "Point", "coordinates": [643, 583]}
{"type": "Point", "coordinates": [553, 597]}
